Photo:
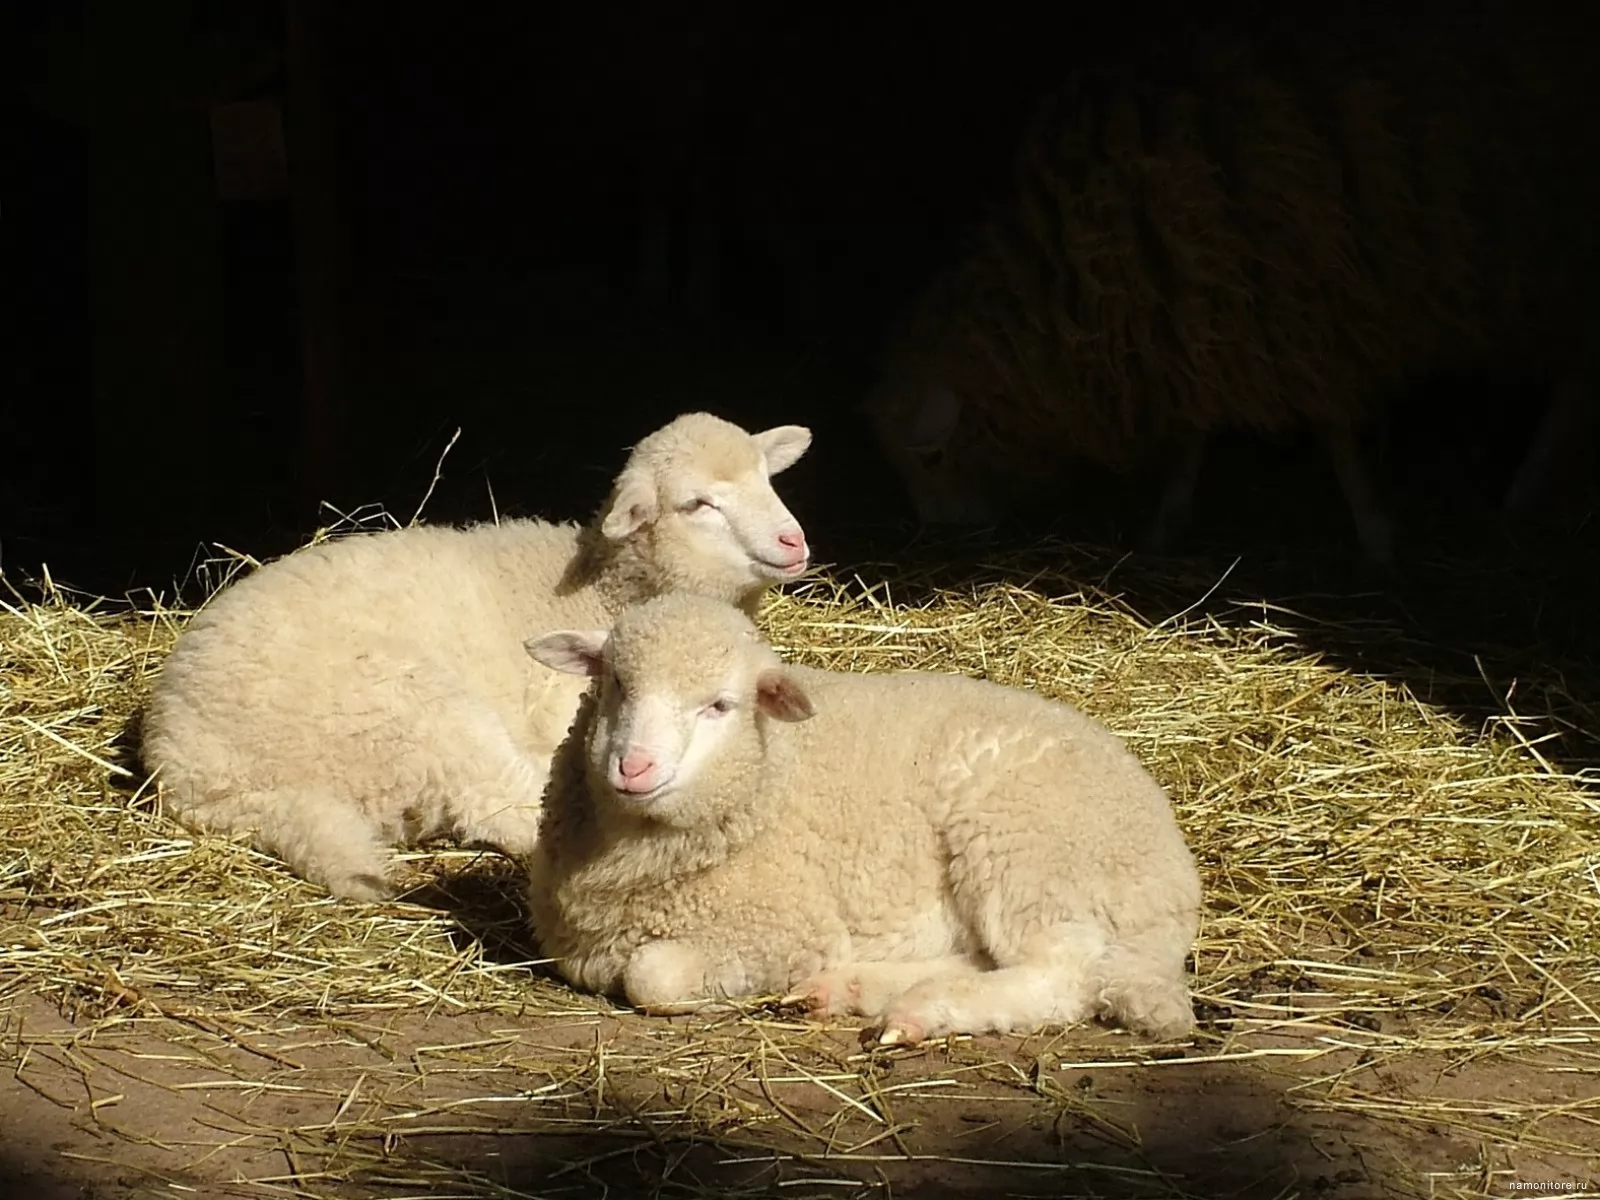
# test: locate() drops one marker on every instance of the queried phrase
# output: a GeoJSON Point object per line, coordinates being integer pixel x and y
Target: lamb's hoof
{"type": "Point", "coordinates": [1167, 1022]}
{"type": "Point", "coordinates": [902, 1033]}
{"type": "Point", "coordinates": [812, 995]}
{"type": "Point", "coordinates": [827, 994]}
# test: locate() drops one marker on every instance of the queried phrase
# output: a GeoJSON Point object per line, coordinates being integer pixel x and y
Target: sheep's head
{"type": "Point", "coordinates": [696, 497]}
{"type": "Point", "coordinates": [921, 436]}
{"type": "Point", "coordinates": [685, 686]}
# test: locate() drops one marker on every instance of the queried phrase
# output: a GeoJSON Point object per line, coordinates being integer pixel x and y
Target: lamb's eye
{"type": "Point", "coordinates": [720, 707]}
{"type": "Point", "coordinates": [698, 504]}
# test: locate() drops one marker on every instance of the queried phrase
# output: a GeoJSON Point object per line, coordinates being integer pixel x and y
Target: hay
{"type": "Point", "coordinates": [1392, 894]}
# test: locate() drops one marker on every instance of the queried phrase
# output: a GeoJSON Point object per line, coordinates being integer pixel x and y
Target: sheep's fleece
{"type": "Point", "coordinates": [1248, 235]}
{"type": "Point", "coordinates": [939, 853]}
{"type": "Point", "coordinates": [371, 691]}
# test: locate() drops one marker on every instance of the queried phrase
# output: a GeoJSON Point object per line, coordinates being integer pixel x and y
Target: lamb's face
{"type": "Point", "coordinates": [685, 682]}
{"type": "Point", "coordinates": [656, 735]}
{"type": "Point", "coordinates": [701, 491]}
{"type": "Point", "coordinates": [728, 514]}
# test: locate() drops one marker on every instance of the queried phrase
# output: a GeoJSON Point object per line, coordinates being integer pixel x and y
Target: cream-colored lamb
{"type": "Point", "coordinates": [372, 690]}
{"type": "Point", "coordinates": [935, 852]}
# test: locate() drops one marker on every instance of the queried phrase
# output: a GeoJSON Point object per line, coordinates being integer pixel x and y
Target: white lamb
{"type": "Point", "coordinates": [371, 691]}
{"type": "Point", "coordinates": [938, 853]}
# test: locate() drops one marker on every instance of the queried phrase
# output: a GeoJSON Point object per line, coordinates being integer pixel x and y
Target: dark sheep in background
{"type": "Point", "coordinates": [1256, 238]}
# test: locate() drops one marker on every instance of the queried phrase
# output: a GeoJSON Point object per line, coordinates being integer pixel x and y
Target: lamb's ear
{"type": "Point", "coordinates": [934, 420]}
{"type": "Point", "coordinates": [783, 445]}
{"type": "Point", "coordinates": [574, 651]}
{"type": "Point", "coordinates": [781, 697]}
{"type": "Point", "coordinates": [634, 505]}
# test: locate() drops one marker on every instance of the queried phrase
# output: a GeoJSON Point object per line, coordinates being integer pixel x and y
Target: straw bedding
{"type": "Point", "coordinates": [1397, 902]}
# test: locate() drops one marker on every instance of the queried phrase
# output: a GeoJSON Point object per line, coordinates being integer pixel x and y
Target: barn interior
{"type": "Point", "coordinates": [275, 268]}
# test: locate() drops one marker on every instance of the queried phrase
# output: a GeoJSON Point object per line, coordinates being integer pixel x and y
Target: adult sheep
{"type": "Point", "coordinates": [939, 853]}
{"type": "Point", "coordinates": [1248, 238]}
{"type": "Point", "coordinates": [371, 690]}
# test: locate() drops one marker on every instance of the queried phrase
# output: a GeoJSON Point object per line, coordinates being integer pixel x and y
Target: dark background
{"type": "Point", "coordinates": [464, 240]}
{"type": "Point", "coordinates": [469, 195]}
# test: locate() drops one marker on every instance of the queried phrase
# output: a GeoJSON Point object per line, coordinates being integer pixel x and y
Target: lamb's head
{"type": "Point", "coordinates": [696, 506]}
{"type": "Point", "coordinates": [686, 685]}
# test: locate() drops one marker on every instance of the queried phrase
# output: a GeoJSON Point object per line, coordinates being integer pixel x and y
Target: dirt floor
{"type": "Point", "coordinates": [124, 1105]}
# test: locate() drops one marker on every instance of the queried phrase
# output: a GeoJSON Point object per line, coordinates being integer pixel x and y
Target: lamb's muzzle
{"type": "Point", "coordinates": [635, 771]}
{"type": "Point", "coordinates": [794, 555]}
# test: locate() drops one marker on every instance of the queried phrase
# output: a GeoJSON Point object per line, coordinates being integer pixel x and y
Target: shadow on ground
{"type": "Point", "coordinates": [487, 901]}
{"type": "Point", "coordinates": [1204, 1131]}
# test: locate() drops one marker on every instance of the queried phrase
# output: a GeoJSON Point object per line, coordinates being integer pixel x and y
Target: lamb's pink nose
{"type": "Point", "coordinates": [634, 765]}
{"type": "Point", "coordinates": [793, 540]}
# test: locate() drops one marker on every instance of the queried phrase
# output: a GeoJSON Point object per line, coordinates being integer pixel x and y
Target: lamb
{"type": "Point", "coordinates": [1245, 242]}
{"type": "Point", "coordinates": [365, 692]}
{"type": "Point", "coordinates": [936, 853]}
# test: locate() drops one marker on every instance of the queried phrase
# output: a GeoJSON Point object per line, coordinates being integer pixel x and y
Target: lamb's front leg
{"type": "Point", "coordinates": [502, 812]}
{"type": "Point", "coordinates": [866, 989]}
{"type": "Point", "coordinates": [690, 974]}
{"type": "Point", "coordinates": [749, 947]}
{"type": "Point", "coordinates": [492, 788]}
{"type": "Point", "coordinates": [674, 975]}
{"type": "Point", "coordinates": [1022, 997]}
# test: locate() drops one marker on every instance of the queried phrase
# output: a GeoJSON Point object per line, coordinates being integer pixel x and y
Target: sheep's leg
{"type": "Point", "coordinates": [1564, 425]}
{"type": "Point", "coordinates": [680, 975]}
{"type": "Point", "coordinates": [1019, 997]}
{"type": "Point", "coordinates": [1041, 980]}
{"type": "Point", "coordinates": [1134, 982]}
{"type": "Point", "coordinates": [501, 808]}
{"type": "Point", "coordinates": [326, 840]}
{"type": "Point", "coordinates": [1175, 509]}
{"type": "Point", "coordinates": [1139, 982]}
{"type": "Point", "coordinates": [493, 790]}
{"type": "Point", "coordinates": [867, 988]}
{"type": "Point", "coordinates": [758, 952]}
{"type": "Point", "coordinates": [669, 976]}
{"type": "Point", "coordinates": [1373, 527]}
